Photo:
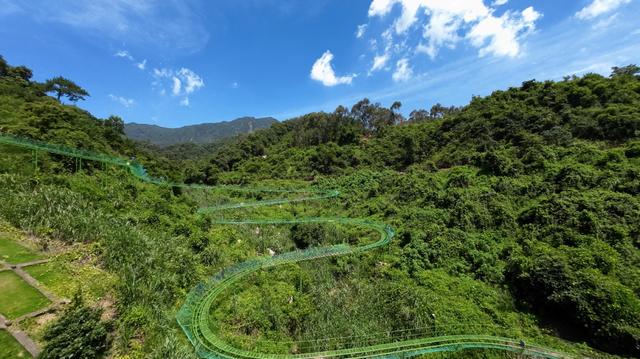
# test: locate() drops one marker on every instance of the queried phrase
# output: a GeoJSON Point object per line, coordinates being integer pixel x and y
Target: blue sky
{"type": "Point", "coordinates": [174, 63]}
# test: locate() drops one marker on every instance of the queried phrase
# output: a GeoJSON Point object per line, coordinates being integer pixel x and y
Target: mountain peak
{"type": "Point", "coordinates": [199, 133]}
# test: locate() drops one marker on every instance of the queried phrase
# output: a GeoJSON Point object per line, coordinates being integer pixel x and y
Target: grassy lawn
{"type": "Point", "coordinates": [12, 252]}
{"type": "Point", "coordinates": [17, 297]}
{"type": "Point", "coordinates": [63, 279]}
{"type": "Point", "coordinates": [10, 348]}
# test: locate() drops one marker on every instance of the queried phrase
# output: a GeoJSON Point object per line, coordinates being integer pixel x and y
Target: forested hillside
{"type": "Point", "coordinates": [532, 189]}
{"type": "Point", "coordinates": [517, 211]}
{"type": "Point", "coordinates": [198, 134]}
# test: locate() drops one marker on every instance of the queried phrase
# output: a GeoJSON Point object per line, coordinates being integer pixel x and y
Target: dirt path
{"type": "Point", "coordinates": [32, 263]}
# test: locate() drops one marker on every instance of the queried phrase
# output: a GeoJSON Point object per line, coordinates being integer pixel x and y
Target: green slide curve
{"type": "Point", "coordinates": [194, 316]}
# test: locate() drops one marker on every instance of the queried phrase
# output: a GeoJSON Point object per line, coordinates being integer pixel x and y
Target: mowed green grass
{"type": "Point", "coordinates": [64, 280]}
{"type": "Point", "coordinates": [17, 297]}
{"type": "Point", "coordinates": [14, 253]}
{"type": "Point", "coordinates": [10, 348]}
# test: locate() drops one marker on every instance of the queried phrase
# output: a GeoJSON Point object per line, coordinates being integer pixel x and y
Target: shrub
{"type": "Point", "coordinates": [79, 333]}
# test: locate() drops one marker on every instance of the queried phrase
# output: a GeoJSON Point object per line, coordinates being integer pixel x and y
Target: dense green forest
{"type": "Point", "coordinates": [519, 210]}
{"type": "Point", "coordinates": [202, 134]}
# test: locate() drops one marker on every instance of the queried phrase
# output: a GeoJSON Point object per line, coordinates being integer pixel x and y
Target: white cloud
{"type": "Point", "coordinates": [323, 71]}
{"type": "Point", "coordinates": [445, 23]}
{"type": "Point", "coordinates": [177, 86]}
{"type": "Point", "coordinates": [499, 2]}
{"type": "Point", "coordinates": [403, 71]}
{"type": "Point", "coordinates": [441, 30]}
{"type": "Point", "coordinates": [380, 7]}
{"type": "Point", "coordinates": [193, 81]}
{"type": "Point", "coordinates": [498, 35]}
{"type": "Point", "coordinates": [124, 54]}
{"type": "Point", "coordinates": [182, 82]}
{"type": "Point", "coordinates": [379, 61]}
{"type": "Point", "coordinates": [599, 7]}
{"type": "Point", "coordinates": [361, 30]}
{"type": "Point", "coordinates": [122, 100]}
{"type": "Point", "coordinates": [605, 23]}
{"type": "Point", "coordinates": [162, 72]}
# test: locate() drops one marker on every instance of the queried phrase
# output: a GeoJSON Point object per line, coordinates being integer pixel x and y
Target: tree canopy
{"type": "Point", "coordinates": [63, 87]}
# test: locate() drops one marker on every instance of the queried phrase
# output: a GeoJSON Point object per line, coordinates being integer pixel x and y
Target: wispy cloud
{"type": "Point", "coordinates": [445, 23]}
{"type": "Point", "coordinates": [126, 55]}
{"type": "Point", "coordinates": [566, 48]}
{"type": "Point", "coordinates": [599, 7]}
{"type": "Point", "coordinates": [8, 7]}
{"type": "Point", "coordinates": [379, 61]}
{"type": "Point", "coordinates": [126, 102]}
{"type": "Point", "coordinates": [323, 71]}
{"type": "Point", "coordinates": [361, 30]}
{"type": "Point", "coordinates": [177, 86]}
{"type": "Point", "coordinates": [403, 71]}
{"type": "Point", "coordinates": [182, 82]}
{"type": "Point", "coordinates": [165, 25]}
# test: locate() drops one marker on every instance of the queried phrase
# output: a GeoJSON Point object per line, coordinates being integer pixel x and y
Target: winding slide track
{"type": "Point", "coordinates": [195, 319]}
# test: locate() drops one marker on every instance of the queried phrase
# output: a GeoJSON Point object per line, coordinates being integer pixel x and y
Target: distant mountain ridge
{"type": "Point", "coordinates": [201, 133]}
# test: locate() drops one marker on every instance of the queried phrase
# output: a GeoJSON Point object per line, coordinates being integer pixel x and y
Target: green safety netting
{"type": "Point", "coordinates": [194, 316]}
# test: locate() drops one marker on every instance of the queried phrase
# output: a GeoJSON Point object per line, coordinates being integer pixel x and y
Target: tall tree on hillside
{"type": "Point", "coordinates": [363, 112]}
{"type": "Point", "coordinates": [396, 117]}
{"type": "Point", "coordinates": [438, 111]}
{"type": "Point", "coordinates": [64, 87]}
{"type": "Point", "coordinates": [4, 67]}
{"type": "Point", "coordinates": [21, 72]}
{"type": "Point", "coordinates": [629, 70]}
{"type": "Point", "coordinates": [116, 123]}
{"type": "Point", "coordinates": [418, 115]}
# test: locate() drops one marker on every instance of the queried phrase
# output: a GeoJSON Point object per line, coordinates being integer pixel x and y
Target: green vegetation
{"type": "Point", "coordinates": [517, 214]}
{"type": "Point", "coordinates": [533, 189]}
{"type": "Point", "coordinates": [79, 333]}
{"type": "Point", "coordinates": [194, 136]}
{"type": "Point", "coordinates": [14, 253]}
{"type": "Point", "coordinates": [17, 297]}
{"type": "Point", "coordinates": [10, 348]}
{"type": "Point", "coordinates": [65, 87]}
{"type": "Point", "coordinates": [64, 277]}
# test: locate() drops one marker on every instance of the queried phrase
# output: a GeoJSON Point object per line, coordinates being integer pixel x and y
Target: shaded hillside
{"type": "Point", "coordinates": [202, 133]}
